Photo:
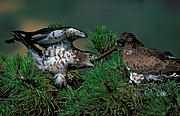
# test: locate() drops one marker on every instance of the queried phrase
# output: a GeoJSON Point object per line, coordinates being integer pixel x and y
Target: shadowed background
{"type": "Point", "coordinates": [156, 23]}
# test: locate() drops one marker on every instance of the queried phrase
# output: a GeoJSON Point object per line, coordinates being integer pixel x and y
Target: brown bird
{"type": "Point", "coordinates": [52, 49]}
{"type": "Point", "coordinates": [144, 62]}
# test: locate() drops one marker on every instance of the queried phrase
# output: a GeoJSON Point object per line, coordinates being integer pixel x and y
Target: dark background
{"type": "Point", "coordinates": [155, 22]}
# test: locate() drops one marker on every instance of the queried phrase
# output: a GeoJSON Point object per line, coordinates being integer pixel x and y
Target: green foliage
{"type": "Point", "coordinates": [101, 93]}
{"type": "Point", "coordinates": [164, 99]}
{"type": "Point", "coordinates": [25, 89]}
{"type": "Point", "coordinates": [102, 90]}
{"type": "Point", "coordinates": [102, 39]}
{"type": "Point", "coordinates": [57, 24]}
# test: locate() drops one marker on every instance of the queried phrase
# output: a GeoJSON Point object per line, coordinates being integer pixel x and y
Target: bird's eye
{"type": "Point", "coordinates": [128, 36]}
{"type": "Point", "coordinates": [90, 55]}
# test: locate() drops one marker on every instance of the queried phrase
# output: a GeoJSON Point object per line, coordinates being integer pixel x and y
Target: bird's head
{"type": "Point", "coordinates": [75, 33]}
{"type": "Point", "coordinates": [126, 38]}
{"type": "Point", "coordinates": [84, 60]}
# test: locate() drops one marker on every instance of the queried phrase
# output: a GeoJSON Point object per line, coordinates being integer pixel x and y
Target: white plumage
{"type": "Point", "coordinates": [52, 49]}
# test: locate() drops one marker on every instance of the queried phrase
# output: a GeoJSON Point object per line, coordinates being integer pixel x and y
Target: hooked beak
{"type": "Point", "coordinates": [87, 63]}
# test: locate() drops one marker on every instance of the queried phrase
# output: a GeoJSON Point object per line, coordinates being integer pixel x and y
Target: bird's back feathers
{"type": "Point", "coordinates": [49, 36]}
{"type": "Point", "coordinates": [144, 60]}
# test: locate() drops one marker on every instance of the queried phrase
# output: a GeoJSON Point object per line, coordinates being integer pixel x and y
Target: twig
{"type": "Point", "coordinates": [108, 88]}
{"type": "Point", "coordinates": [4, 99]}
{"type": "Point", "coordinates": [7, 99]}
{"type": "Point", "coordinates": [104, 54]}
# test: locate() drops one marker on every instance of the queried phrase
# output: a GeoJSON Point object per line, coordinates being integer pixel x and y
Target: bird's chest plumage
{"type": "Point", "coordinates": [57, 58]}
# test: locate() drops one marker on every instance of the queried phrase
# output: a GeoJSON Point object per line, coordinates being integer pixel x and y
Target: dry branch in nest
{"type": "Point", "coordinates": [105, 54]}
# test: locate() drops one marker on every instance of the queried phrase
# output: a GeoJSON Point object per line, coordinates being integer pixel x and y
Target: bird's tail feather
{"type": "Point", "coordinates": [21, 37]}
{"type": "Point", "coordinates": [25, 38]}
{"type": "Point", "coordinates": [173, 67]}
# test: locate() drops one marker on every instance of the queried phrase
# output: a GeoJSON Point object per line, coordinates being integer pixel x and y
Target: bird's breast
{"type": "Point", "coordinates": [57, 58]}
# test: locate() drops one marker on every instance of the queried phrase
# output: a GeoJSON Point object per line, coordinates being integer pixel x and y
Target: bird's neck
{"type": "Point", "coordinates": [135, 44]}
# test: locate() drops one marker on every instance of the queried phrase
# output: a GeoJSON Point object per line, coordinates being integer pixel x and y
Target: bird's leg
{"type": "Point", "coordinates": [69, 76]}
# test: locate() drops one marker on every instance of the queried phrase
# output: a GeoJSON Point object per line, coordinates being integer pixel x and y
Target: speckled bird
{"type": "Point", "coordinates": [145, 62]}
{"type": "Point", "coordinates": [52, 49]}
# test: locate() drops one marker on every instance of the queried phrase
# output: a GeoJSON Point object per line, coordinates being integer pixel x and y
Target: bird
{"type": "Point", "coordinates": [145, 62]}
{"type": "Point", "coordinates": [52, 49]}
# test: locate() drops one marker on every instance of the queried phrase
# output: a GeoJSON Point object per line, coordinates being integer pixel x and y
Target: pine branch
{"type": "Point", "coordinates": [103, 90]}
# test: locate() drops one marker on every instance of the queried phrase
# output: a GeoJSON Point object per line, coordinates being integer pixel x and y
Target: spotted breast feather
{"type": "Point", "coordinates": [52, 49]}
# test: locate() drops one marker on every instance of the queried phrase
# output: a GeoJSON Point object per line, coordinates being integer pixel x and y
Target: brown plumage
{"type": "Point", "coordinates": [147, 61]}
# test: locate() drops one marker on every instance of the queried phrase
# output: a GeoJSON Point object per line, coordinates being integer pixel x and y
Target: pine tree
{"type": "Point", "coordinates": [102, 90]}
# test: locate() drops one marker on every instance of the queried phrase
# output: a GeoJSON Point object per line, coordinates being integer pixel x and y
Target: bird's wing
{"type": "Point", "coordinates": [59, 34]}
{"type": "Point", "coordinates": [49, 36]}
{"type": "Point", "coordinates": [162, 55]}
{"type": "Point", "coordinates": [146, 60]}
